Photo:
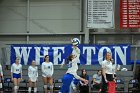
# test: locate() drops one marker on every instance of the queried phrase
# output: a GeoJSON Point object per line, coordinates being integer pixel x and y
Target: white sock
{"type": "Point", "coordinates": [45, 86]}
{"type": "Point", "coordinates": [51, 87]}
{"type": "Point", "coordinates": [15, 88]}
{"type": "Point", "coordinates": [29, 89]}
{"type": "Point", "coordinates": [0, 85]}
{"type": "Point", "coordinates": [35, 90]}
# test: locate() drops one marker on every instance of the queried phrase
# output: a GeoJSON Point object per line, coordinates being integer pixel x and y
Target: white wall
{"type": "Point", "coordinates": [55, 17]}
{"type": "Point", "coordinates": [46, 16]}
{"type": "Point", "coordinates": [51, 16]}
{"type": "Point", "coordinates": [12, 16]}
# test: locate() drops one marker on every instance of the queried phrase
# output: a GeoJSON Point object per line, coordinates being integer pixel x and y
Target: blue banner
{"type": "Point", "coordinates": [89, 54]}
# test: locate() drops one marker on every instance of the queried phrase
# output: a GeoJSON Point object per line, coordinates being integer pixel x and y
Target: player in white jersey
{"type": "Point", "coordinates": [16, 74]}
{"type": "Point", "coordinates": [76, 53]}
{"type": "Point", "coordinates": [71, 65]}
{"type": "Point", "coordinates": [47, 72]}
{"type": "Point", "coordinates": [1, 76]}
{"type": "Point", "coordinates": [76, 50]}
{"type": "Point", "coordinates": [70, 74]}
{"type": "Point", "coordinates": [33, 75]}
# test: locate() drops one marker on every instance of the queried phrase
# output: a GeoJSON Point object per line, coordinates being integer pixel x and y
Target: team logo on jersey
{"type": "Point", "coordinates": [49, 67]}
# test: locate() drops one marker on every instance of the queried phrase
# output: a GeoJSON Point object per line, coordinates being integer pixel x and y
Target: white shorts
{"type": "Point", "coordinates": [33, 79]}
{"type": "Point", "coordinates": [46, 75]}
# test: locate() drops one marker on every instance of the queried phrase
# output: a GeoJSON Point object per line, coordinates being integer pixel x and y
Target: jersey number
{"type": "Point", "coordinates": [69, 65]}
{"type": "Point", "coordinates": [17, 69]}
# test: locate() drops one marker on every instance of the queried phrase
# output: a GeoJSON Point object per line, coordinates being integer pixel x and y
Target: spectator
{"type": "Point", "coordinates": [84, 88]}
{"type": "Point", "coordinates": [97, 80]}
{"type": "Point", "coordinates": [114, 69]}
{"type": "Point", "coordinates": [107, 72]}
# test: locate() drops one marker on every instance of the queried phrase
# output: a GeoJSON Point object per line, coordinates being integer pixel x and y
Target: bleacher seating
{"type": "Point", "coordinates": [133, 86]}
{"type": "Point", "coordinates": [57, 85]}
{"type": "Point", "coordinates": [59, 72]}
{"type": "Point", "coordinates": [119, 85]}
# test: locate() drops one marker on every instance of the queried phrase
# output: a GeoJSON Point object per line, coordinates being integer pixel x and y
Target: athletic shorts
{"type": "Point", "coordinates": [33, 79]}
{"type": "Point", "coordinates": [46, 75]}
{"type": "Point", "coordinates": [16, 75]}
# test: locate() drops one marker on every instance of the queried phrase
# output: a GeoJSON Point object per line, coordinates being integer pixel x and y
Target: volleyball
{"type": "Point", "coordinates": [75, 41]}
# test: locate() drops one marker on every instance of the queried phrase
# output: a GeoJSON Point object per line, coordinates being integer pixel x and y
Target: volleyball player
{"type": "Point", "coordinates": [1, 76]}
{"type": "Point", "coordinates": [75, 50]}
{"type": "Point", "coordinates": [16, 74]}
{"type": "Point", "coordinates": [33, 75]}
{"type": "Point", "coordinates": [47, 72]}
{"type": "Point", "coordinates": [70, 74]}
{"type": "Point", "coordinates": [75, 53]}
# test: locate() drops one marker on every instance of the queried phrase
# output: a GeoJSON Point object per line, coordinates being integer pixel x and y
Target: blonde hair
{"type": "Point", "coordinates": [106, 55]}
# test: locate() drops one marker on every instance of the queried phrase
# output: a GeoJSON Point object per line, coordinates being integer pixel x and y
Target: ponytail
{"type": "Point", "coordinates": [69, 59]}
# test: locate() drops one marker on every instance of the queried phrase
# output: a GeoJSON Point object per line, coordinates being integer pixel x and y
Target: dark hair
{"type": "Point", "coordinates": [32, 61]}
{"type": "Point", "coordinates": [69, 59]}
{"type": "Point", "coordinates": [17, 58]}
{"type": "Point", "coordinates": [98, 71]}
{"type": "Point", "coordinates": [82, 75]}
{"type": "Point", "coordinates": [45, 57]}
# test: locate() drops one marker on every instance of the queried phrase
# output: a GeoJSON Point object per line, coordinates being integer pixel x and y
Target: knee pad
{"type": "Point", "coordinates": [0, 85]}
{"type": "Point", "coordinates": [45, 86]}
{"type": "Point", "coordinates": [15, 87]}
{"type": "Point", "coordinates": [29, 89]}
{"type": "Point", "coordinates": [74, 88]}
{"type": "Point", "coordinates": [35, 90]}
{"type": "Point", "coordinates": [51, 86]}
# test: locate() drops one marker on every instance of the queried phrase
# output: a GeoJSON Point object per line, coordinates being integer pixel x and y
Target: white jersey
{"type": "Point", "coordinates": [17, 69]}
{"type": "Point", "coordinates": [107, 65]}
{"type": "Point", "coordinates": [33, 73]}
{"type": "Point", "coordinates": [1, 72]}
{"type": "Point", "coordinates": [76, 53]}
{"type": "Point", "coordinates": [47, 69]}
{"type": "Point", "coordinates": [73, 67]}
